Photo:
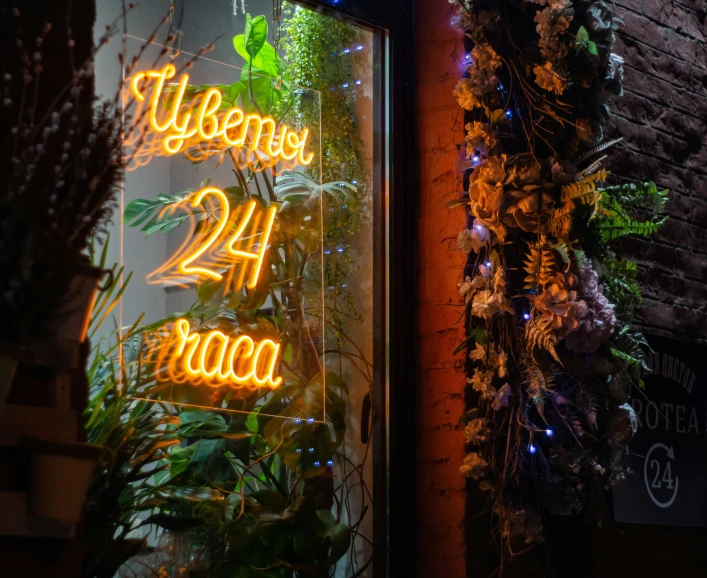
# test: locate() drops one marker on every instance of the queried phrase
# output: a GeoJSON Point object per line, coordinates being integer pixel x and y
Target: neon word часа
{"type": "Point", "coordinates": [208, 121]}
{"type": "Point", "coordinates": [217, 359]}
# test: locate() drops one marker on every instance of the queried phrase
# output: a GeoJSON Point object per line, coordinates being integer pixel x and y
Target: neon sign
{"type": "Point", "coordinates": [209, 253]}
{"type": "Point", "coordinates": [205, 119]}
{"type": "Point", "coordinates": [216, 359]}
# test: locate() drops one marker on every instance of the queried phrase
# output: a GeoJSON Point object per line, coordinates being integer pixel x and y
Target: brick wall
{"type": "Point", "coordinates": [663, 117]}
{"type": "Point", "coordinates": [440, 487]}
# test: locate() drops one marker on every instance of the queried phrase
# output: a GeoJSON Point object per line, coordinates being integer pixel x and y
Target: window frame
{"type": "Point", "coordinates": [395, 288]}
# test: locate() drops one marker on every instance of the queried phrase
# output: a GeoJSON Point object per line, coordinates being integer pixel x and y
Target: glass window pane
{"type": "Point", "coordinates": [248, 228]}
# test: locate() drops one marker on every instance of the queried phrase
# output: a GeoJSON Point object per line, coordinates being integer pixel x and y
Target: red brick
{"type": "Point", "coordinates": [666, 13]}
{"type": "Point", "coordinates": [644, 30]}
{"type": "Point", "coordinates": [687, 49]}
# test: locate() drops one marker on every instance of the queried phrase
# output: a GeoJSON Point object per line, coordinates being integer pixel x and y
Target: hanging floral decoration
{"type": "Point", "coordinates": [551, 354]}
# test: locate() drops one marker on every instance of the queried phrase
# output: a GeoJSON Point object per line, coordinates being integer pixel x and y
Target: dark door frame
{"type": "Point", "coordinates": [395, 286]}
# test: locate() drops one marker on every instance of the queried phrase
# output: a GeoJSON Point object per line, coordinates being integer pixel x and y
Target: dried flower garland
{"type": "Point", "coordinates": [551, 354]}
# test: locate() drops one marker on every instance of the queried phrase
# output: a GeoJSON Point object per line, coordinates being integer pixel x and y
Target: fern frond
{"type": "Point", "coordinates": [639, 196]}
{"type": "Point", "coordinates": [560, 223]}
{"type": "Point", "coordinates": [585, 190]}
{"type": "Point", "coordinates": [539, 335]}
{"type": "Point", "coordinates": [597, 149]}
{"type": "Point", "coordinates": [629, 346]}
{"type": "Point", "coordinates": [591, 169]}
{"type": "Point", "coordinates": [563, 250]}
{"type": "Point", "coordinates": [614, 227]}
{"type": "Point", "coordinates": [537, 384]}
{"type": "Point", "coordinates": [539, 264]}
{"type": "Point", "coordinates": [615, 222]}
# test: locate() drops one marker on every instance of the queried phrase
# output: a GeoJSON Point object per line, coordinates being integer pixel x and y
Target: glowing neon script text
{"type": "Point", "coordinates": [206, 119]}
{"type": "Point", "coordinates": [198, 247]}
{"type": "Point", "coordinates": [217, 359]}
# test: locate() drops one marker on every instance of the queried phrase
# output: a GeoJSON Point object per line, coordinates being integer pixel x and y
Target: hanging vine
{"type": "Point", "coordinates": [551, 353]}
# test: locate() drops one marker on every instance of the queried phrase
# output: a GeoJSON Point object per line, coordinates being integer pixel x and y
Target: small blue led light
{"type": "Point", "coordinates": [479, 227]}
{"type": "Point", "coordinates": [346, 50]}
{"type": "Point", "coordinates": [298, 421]}
{"type": "Point", "coordinates": [548, 432]}
{"type": "Point", "coordinates": [532, 449]}
{"type": "Point", "coordinates": [509, 114]}
{"type": "Point", "coordinates": [489, 264]}
{"type": "Point", "coordinates": [298, 450]}
{"type": "Point", "coordinates": [344, 285]}
{"type": "Point", "coordinates": [316, 463]}
{"type": "Point", "coordinates": [500, 86]}
{"type": "Point", "coordinates": [310, 420]}
{"type": "Point", "coordinates": [339, 249]}
{"type": "Point", "coordinates": [354, 182]}
{"type": "Point", "coordinates": [468, 56]}
{"type": "Point", "coordinates": [345, 85]}
{"type": "Point", "coordinates": [311, 450]}
{"type": "Point", "coordinates": [526, 316]}
{"type": "Point", "coordinates": [359, 47]}
{"type": "Point", "coordinates": [331, 287]}
{"type": "Point", "coordinates": [327, 252]}
{"type": "Point", "coordinates": [476, 159]}
{"type": "Point", "coordinates": [330, 462]}
{"type": "Point", "coordinates": [357, 82]}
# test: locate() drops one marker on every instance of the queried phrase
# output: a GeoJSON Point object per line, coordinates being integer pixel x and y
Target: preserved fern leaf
{"type": "Point", "coordinates": [539, 335]}
{"type": "Point", "coordinates": [615, 222]}
{"type": "Point", "coordinates": [639, 196]}
{"type": "Point", "coordinates": [537, 385]}
{"type": "Point", "coordinates": [540, 265]}
{"type": "Point", "coordinates": [584, 191]}
{"type": "Point", "coordinates": [597, 149]}
{"type": "Point", "coordinates": [560, 223]}
{"type": "Point", "coordinates": [591, 169]}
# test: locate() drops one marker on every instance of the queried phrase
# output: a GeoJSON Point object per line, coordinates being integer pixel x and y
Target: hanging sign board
{"type": "Point", "coordinates": [668, 455]}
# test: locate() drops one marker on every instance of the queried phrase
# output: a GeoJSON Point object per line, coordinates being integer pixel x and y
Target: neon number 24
{"type": "Point", "coordinates": [196, 249]}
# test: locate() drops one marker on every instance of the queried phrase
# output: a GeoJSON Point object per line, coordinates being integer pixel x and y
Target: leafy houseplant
{"type": "Point", "coordinates": [551, 354]}
{"type": "Point", "coordinates": [254, 491]}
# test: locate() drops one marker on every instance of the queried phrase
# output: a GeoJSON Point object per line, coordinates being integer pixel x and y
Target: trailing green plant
{"type": "Point", "coordinates": [321, 53]}
{"type": "Point", "coordinates": [551, 354]}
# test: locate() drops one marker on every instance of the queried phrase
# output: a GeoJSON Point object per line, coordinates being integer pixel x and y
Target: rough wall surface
{"type": "Point", "coordinates": [440, 487]}
{"type": "Point", "coordinates": [663, 117]}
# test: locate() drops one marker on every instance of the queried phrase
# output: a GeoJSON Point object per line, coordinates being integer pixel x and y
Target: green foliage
{"type": "Point", "coordinates": [619, 281]}
{"type": "Point", "coordinates": [261, 83]}
{"type": "Point", "coordinates": [238, 482]}
{"type": "Point", "coordinates": [156, 215]}
{"type": "Point", "coordinates": [313, 43]}
{"type": "Point", "coordinates": [614, 219]}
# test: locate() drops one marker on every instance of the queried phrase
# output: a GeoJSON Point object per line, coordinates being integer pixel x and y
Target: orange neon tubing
{"type": "Point", "coordinates": [223, 200]}
{"type": "Point", "coordinates": [263, 246]}
{"type": "Point", "coordinates": [250, 208]}
{"type": "Point", "coordinates": [208, 110]}
{"type": "Point", "coordinates": [193, 355]}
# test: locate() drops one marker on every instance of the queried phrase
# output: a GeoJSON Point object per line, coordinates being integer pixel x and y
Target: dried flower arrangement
{"type": "Point", "coordinates": [61, 172]}
{"type": "Point", "coordinates": [551, 354]}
